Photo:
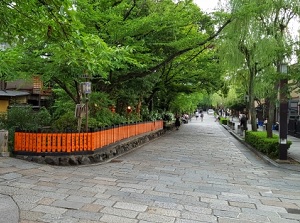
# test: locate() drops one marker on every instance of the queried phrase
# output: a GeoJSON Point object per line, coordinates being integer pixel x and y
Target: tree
{"type": "Point", "coordinates": [257, 44]}
{"type": "Point", "coordinates": [113, 44]}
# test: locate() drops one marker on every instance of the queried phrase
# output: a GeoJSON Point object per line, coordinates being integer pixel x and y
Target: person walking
{"type": "Point", "coordinates": [177, 122]}
{"type": "Point", "coordinates": [201, 116]}
{"type": "Point", "coordinates": [196, 114]}
{"type": "Point", "coordinates": [243, 123]}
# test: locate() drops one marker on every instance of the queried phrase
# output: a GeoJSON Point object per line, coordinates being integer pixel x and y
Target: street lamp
{"type": "Point", "coordinates": [283, 113]}
{"type": "Point", "coordinates": [86, 90]}
{"type": "Point", "coordinates": [128, 111]}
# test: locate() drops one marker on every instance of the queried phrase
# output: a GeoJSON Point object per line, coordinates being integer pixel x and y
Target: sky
{"type": "Point", "coordinates": [206, 5]}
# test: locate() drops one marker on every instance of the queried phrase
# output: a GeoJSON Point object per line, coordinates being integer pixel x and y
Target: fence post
{"type": "Point", "coordinates": [4, 143]}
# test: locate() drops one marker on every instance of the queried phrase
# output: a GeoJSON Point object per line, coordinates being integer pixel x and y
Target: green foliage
{"type": "Point", "coordinates": [153, 116]}
{"type": "Point", "coordinates": [62, 104]}
{"type": "Point", "coordinates": [131, 50]}
{"type": "Point", "coordinates": [25, 119]}
{"type": "Point", "coordinates": [168, 116]}
{"type": "Point", "coordinates": [260, 141]}
{"type": "Point", "coordinates": [65, 122]}
{"type": "Point", "coordinates": [185, 103]}
{"type": "Point", "coordinates": [105, 117]}
{"type": "Point", "coordinates": [224, 121]}
{"type": "Point", "coordinates": [43, 117]}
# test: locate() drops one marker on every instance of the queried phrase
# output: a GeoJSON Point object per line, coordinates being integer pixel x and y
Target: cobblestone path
{"type": "Point", "coordinates": [199, 173]}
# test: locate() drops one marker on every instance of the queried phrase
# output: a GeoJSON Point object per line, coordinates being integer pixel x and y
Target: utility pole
{"type": "Point", "coordinates": [283, 111]}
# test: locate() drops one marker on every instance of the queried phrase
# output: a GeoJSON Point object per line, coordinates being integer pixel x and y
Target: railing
{"type": "Point", "coordinates": [79, 142]}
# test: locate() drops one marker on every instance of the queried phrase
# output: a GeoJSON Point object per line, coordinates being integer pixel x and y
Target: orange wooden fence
{"type": "Point", "coordinates": [75, 142]}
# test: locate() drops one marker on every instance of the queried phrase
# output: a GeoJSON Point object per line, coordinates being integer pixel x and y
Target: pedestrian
{"type": "Point", "coordinates": [177, 122]}
{"type": "Point", "coordinates": [201, 116]}
{"type": "Point", "coordinates": [196, 114]}
{"type": "Point", "coordinates": [243, 122]}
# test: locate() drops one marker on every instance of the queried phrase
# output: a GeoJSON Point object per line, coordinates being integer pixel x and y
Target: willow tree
{"type": "Point", "coordinates": [259, 41]}
{"type": "Point", "coordinates": [241, 51]}
{"type": "Point", "coordinates": [275, 17]}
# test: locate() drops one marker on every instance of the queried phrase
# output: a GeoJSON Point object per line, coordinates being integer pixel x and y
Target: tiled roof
{"type": "Point", "coordinates": [9, 93]}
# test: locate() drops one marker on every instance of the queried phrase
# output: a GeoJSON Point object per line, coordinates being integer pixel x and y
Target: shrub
{"type": "Point", "coordinates": [65, 121]}
{"type": "Point", "coordinates": [23, 118]}
{"type": "Point", "coordinates": [223, 121]}
{"type": "Point", "coordinates": [42, 118]}
{"type": "Point", "coordinates": [268, 146]}
{"type": "Point", "coordinates": [168, 116]}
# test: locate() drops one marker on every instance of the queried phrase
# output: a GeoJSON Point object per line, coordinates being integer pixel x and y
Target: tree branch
{"type": "Point", "coordinates": [171, 57]}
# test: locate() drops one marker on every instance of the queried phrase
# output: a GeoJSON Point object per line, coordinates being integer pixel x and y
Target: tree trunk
{"type": "Point", "coordinates": [270, 120]}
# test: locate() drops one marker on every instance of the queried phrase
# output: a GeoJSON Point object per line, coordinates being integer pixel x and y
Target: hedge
{"type": "Point", "coordinates": [267, 146]}
{"type": "Point", "coordinates": [224, 121]}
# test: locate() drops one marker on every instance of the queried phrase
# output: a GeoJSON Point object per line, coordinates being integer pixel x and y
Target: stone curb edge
{"type": "Point", "coordinates": [259, 154]}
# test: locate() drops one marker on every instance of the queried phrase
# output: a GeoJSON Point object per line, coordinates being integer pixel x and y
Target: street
{"type": "Point", "coordinates": [199, 173]}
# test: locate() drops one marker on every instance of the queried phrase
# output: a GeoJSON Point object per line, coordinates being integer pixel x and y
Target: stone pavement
{"type": "Point", "coordinates": [294, 150]}
{"type": "Point", "coordinates": [200, 173]}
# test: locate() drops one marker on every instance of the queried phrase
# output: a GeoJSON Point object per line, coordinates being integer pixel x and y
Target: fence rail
{"type": "Point", "coordinates": [76, 142]}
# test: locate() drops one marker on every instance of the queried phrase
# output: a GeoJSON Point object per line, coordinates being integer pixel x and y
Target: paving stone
{"type": "Point", "coordinates": [104, 202]}
{"type": "Point", "coordinates": [198, 216]}
{"type": "Point", "coordinates": [132, 190]}
{"type": "Point", "coordinates": [80, 199]}
{"type": "Point", "coordinates": [168, 205]}
{"type": "Point", "coordinates": [54, 195]}
{"type": "Point", "coordinates": [119, 212]}
{"type": "Point", "coordinates": [68, 186]}
{"type": "Point", "coordinates": [68, 204]}
{"type": "Point", "coordinates": [77, 214]}
{"type": "Point", "coordinates": [223, 207]}
{"type": "Point", "coordinates": [187, 221]}
{"type": "Point", "coordinates": [26, 206]}
{"type": "Point", "coordinates": [172, 179]}
{"type": "Point", "coordinates": [81, 193]}
{"type": "Point", "coordinates": [94, 189]}
{"type": "Point", "coordinates": [233, 220]}
{"type": "Point", "coordinates": [29, 221]}
{"type": "Point", "coordinates": [131, 206]}
{"type": "Point", "coordinates": [57, 218]}
{"type": "Point", "coordinates": [92, 207]}
{"type": "Point", "coordinates": [135, 186]}
{"type": "Point", "coordinates": [279, 204]}
{"type": "Point", "coordinates": [113, 219]}
{"type": "Point", "coordinates": [30, 215]}
{"type": "Point", "coordinates": [290, 216]}
{"type": "Point", "coordinates": [156, 193]}
{"type": "Point", "coordinates": [163, 211]}
{"type": "Point", "coordinates": [10, 176]}
{"type": "Point", "coordinates": [276, 219]}
{"type": "Point", "coordinates": [46, 201]}
{"type": "Point", "coordinates": [7, 169]}
{"type": "Point", "coordinates": [253, 217]}
{"type": "Point", "coordinates": [22, 185]}
{"type": "Point", "coordinates": [106, 179]}
{"type": "Point", "coordinates": [242, 204]}
{"type": "Point", "coordinates": [49, 209]}
{"type": "Point", "coordinates": [230, 214]}
{"type": "Point", "coordinates": [155, 218]}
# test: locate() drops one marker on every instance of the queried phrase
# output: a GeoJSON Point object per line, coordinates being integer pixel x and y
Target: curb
{"type": "Point", "coordinates": [261, 155]}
